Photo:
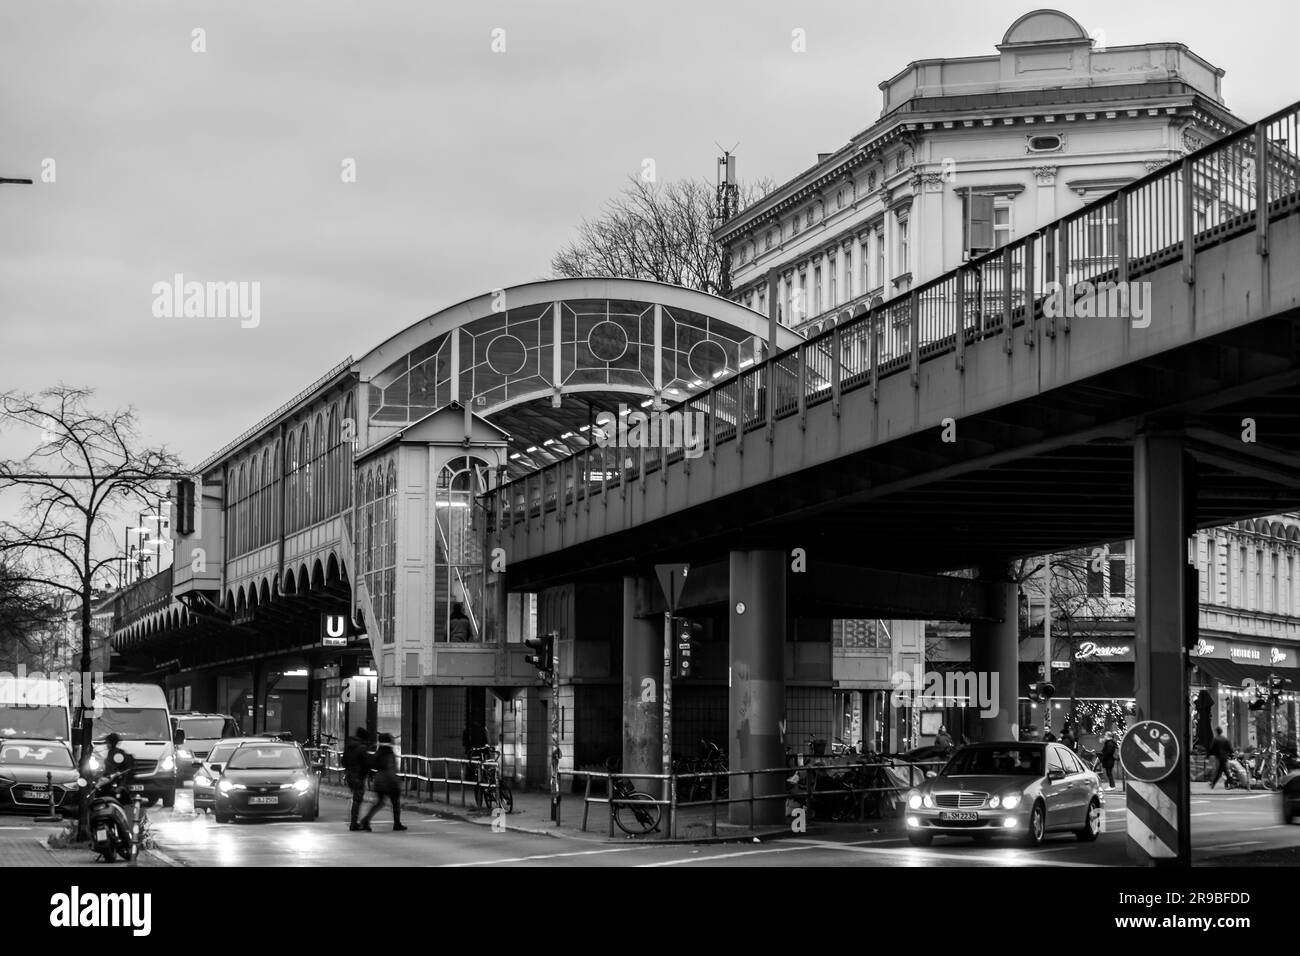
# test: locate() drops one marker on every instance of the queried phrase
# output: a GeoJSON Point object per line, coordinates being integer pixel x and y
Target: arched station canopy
{"type": "Point", "coordinates": [541, 360]}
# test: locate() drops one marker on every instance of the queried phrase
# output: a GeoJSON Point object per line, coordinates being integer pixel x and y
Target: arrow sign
{"type": "Point", "coordinates": [1157, 756]}
{"type": "Point", "coordinates": [1149, 751]}
{"type": "Point", "coordinates": [672, 578]}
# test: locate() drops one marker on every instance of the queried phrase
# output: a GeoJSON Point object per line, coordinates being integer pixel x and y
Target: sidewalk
{"type": "Point", "coordinates": [24, 844]}
{"type": "Point", "coordinates": [532, 814]}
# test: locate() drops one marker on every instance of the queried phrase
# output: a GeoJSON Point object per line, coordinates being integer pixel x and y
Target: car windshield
{"type": "Point", "coordinates": [269, 757]}
{"type": "Point", "coordinates": [34, 755]}
{"type": "Point", "coordinates": [47, 722]}
{"type": "Point", "coordinates": [133, 723]}
{"type": "Point", "coordinates": [1019, 761]}
{"type": "Point", "coordinates": [220, 752]}
{"type": "Point", "coordinates": [201, 728]}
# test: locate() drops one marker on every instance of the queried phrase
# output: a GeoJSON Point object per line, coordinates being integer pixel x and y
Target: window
{"type": "Point", "coordinates": [871, 180]}
{"type": "Point", "coordinates": [459, 570]}
{"type": "Point", "coordinates": [1241, 576]}
{"type": "Point", "coordinates": [1211, 571]}
{"type": "Point", "coordinates": [817, 290]}
{"type": "Point", "coordinates": [762, 301]}
{"type": "Point", "coordinates": [1259, 580]}
{"type": "Point", "coordinates": [1044, 144]}
{"type": "Point", "coordinates": [808, 218]}
{"type": "Point", "coordinates": [1118, 556]}
{"type": "Point", "coordinates": [977, 224]}
{"type": "Point", "coordinates": [1096, 577]}
{"type": "Point", "coordinates": [880, 257]}
{"type": "Point", "coordinates": [902, 246]}
{"type": "Point", "coordinates": [833, 298]}
{"type": "Point", "coordinates": [1273, 604]}
{"type": "Point", "coordinates": [1054, 759]}
{"type": "Point", "coordinates": [1001, 221]}
{"type": "Point", "coordinates": [767, 240]}
{"type": "Point", "coordinates": [848, 274]}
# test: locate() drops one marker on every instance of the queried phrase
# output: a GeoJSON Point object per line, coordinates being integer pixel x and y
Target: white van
{"type": "Point", "coordinates": [138, 714]}
{"type": "Point", "coordinates": [34, 708]}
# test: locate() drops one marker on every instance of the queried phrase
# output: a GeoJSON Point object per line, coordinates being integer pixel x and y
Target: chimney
{"type": "Point", "coordinates": [822, 157]}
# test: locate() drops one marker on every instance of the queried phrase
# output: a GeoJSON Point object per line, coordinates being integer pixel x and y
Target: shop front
{"type": "Point", "coordinates": [1250, 690]}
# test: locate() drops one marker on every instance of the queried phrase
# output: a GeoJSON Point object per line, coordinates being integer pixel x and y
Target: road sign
{"type": "Point", "coordinates": [333, 630]}
{"type": "Point", "coordinates": [1149, 751]}
{"type": "Point", "coordinates": [672, 578]}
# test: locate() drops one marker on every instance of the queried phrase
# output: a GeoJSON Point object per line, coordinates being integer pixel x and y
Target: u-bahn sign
{"type": "Point", "coordinates": [334, 630]}
{"type": "Point", "coordinates": [1149, 751]}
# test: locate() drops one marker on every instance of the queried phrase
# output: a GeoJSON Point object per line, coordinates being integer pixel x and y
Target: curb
{"type": "Point", "coordinates": [453, 813]}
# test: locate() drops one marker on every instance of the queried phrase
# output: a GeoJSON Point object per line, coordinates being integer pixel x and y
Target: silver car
{"type": "Point", "coordinates": [1025, 790]}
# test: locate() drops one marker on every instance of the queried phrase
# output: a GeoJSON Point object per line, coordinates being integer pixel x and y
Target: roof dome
{"type": "Point", "coordinates": [1044, 26]}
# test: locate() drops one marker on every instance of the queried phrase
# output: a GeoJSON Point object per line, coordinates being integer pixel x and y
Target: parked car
{"type": "Point", "coordinates": [1022, 789]}
{"type": "Point", "coordinates": [267, 778]}
{"type": "Point", "coordinates": [202, 731]}
{"type": "Point", "coordinates": [31, 769]}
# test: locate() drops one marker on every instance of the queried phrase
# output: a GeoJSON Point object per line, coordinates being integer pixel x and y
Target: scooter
{"type": "Point", "coordinates": [110, 827]}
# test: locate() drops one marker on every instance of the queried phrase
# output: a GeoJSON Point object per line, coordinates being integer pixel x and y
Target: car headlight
{"type": "Point", "coordinates": [1010, 801]}
{"type": "Point", "coordinates": [93, 764]}
{"type": "Point", "coordinates": [201, 779]}
{"type": "Point", "coordinates": [184, 754]}
{"type": "Point", "coordinates": [169, 762]}
{"type": "Point", "coordinates": [225, 786]}
{"type": "Point", "coordinates": [994, 801]}
{"type": "Point", "coordinates": [914, 800]}
{"type": "Point", "coordinates": [302, 786]}
{"type": "Point", "coordinates": [928, 802]}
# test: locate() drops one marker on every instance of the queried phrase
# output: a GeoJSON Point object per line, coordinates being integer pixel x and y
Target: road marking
{"type": "Point", "coordinates": [729, 856]}
{"type": "Point", "coordinates": [1206, 813]}
{"type": "Point", "coordinates": [15, 828]}
{"type": "Point", "coordinates": [1229, 846]}
{"type": "Point", "coordinates": [547, 856]}
{"type": "Point", "coordinates": [1006, 854]}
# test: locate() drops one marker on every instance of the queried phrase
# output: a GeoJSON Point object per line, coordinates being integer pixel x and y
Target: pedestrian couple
{"type": "Point", "coordinates": [360, 762]}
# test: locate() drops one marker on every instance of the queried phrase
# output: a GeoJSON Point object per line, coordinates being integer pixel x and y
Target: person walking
{"type": "Point", "coordinates": [460, 627]}
{"type": "Point", "coordinates": [356, 762]}
{"type": "Point", "coordinates": [1108, 751]}
{"type": "Point", "coordinates": [388, 786]}
{"type": "Point", "coordinates": [942, 739]}
{"type": "Point", "coordinates": [1221, 751]}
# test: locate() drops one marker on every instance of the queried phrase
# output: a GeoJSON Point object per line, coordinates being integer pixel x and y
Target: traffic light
{"type": "Point", "coordinates": [543, 656]}
{"type": "Point", "coordinates": [1041, 692]}
{"type": "Point", "coordinates": [686, 634]}
{"type": "Point", "coordinates": [1274, 689]}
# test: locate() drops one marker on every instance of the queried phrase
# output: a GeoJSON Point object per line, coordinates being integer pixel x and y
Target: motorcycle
{"type": "Point", "coordinates": [110, 827]}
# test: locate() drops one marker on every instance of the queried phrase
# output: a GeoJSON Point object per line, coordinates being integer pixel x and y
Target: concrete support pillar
{"type": "Point", "coordinates": [259, 697]}
{"type": "Point", "coordinates": [756, 714]}
{"type": "Point", "coordinates": [995, 658]}
{"type": "Point", "coordinates": [643, 670]}
{"type": "Point", "coordinates": [1166, 616]}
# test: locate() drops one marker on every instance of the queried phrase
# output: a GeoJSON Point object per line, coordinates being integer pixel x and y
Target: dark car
{"type": "Point", "coordinates": [1016, 788]}
{"type": "Point", "coordinates": [31, 769]}
{"type": "Point", "coordinates": [209, 770]}
{"type": "Point", "coordinates": [1290, 794]}
{"type": "Point", "coordinates": [202, 731]}
{"type": "Point", "coordinates": [267, 778]}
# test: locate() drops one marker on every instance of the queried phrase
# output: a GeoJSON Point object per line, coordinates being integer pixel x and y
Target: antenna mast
{"type": "Point", "coordinates": [725, 207]}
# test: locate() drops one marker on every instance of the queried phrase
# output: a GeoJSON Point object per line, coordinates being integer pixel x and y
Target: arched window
{"type": "Point", "coordinates": [349, 434]}
{"type": "Point", "coordinates": [277, 477]}
{"type": "Point", "coordinates": [304, 476]}
{"type": "Point", "coordinates": [291, 477]}
{"type": "Point", "coordinates": [459, 542]}
{"type": "Point", "coordinates": [318, 472]}
{"type": "Point", "coordinates": [241, 508]}
{"type": "Point", "coordinates": [264, 505]}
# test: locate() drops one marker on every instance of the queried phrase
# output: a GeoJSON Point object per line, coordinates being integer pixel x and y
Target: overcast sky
{"type": "Point", "coordinates": [472, 166]}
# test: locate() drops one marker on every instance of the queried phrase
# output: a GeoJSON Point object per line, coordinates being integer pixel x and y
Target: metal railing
{"type": "Point", "coordinates": [1232, 187]}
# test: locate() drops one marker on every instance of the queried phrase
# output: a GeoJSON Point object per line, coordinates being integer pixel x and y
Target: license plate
{"type": "Point", "coordinates": [136, 788]}
{"type": "Point", "coordinates": [36, 794]}
{"type": "Point", "coordinates": [263, 800]}
{"type": "Point", "coordinates": [959, 815]}
{"type": "Point", "coordinates": [101, 834]}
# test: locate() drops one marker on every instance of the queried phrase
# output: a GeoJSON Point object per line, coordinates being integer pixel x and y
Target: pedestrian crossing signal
{"type": "Point", "coordinates": [543, 656]}
{"type": "Point", "coordinates": [1041, 691]}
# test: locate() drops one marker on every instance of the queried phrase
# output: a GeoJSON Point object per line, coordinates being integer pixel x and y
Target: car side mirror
{"type": "Point", "coordinates": [178, 737]}
{"type": "Point", "coordinates": [1056, 775]}
{"type": "Point", "coordinates": [930, 773]}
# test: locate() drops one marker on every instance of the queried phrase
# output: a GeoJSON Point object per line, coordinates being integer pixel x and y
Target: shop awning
{"type": "Point", "coordinates": [1230, 672]}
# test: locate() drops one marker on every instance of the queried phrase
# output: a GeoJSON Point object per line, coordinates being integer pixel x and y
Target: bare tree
{"type": "Point", "coordinates": [88, 468]}
{"type": "Point", "coordinates": [31, 620]}
{"type": "Point", "coordinates": [653, 231]}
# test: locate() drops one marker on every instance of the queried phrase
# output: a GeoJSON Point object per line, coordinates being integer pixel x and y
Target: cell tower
{"type": "Point", "coordinates": [725, 207]}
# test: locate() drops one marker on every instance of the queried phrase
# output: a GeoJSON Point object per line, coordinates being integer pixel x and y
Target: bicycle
{"type": "Point", "coordinates": [490, 789]}
{"type": "Point", "coordinates": [714, 761]}
{"type": "Point", "coordinates": [141, 835]}
{"type": "Point", "coordinates": [636, 812]}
